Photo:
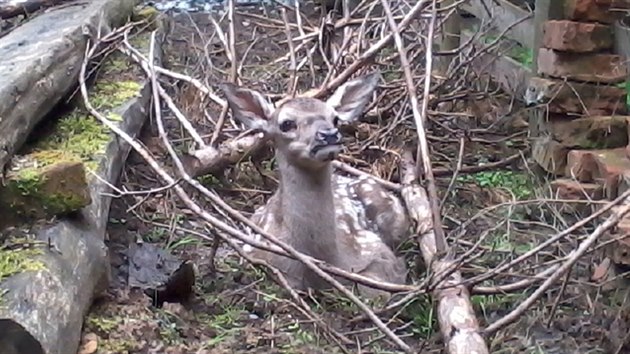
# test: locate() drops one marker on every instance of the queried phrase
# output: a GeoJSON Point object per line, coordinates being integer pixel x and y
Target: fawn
{"type": "Point", "coordinates": [351, 223]}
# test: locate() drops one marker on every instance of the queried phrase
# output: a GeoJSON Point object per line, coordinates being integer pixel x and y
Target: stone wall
{"type": "Point", "coordinates": [581, 121]}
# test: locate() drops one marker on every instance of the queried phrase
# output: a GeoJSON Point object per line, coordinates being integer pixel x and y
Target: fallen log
{"type": "Point", "coordinates": [62, 266]}
{"type": "Point", "coordinates": [12, 9]}
{"type": "Point", "coordinates": [40, 64]}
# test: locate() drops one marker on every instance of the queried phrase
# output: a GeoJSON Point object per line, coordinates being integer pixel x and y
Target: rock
{"type": "Point", "coordinates": [570, 189]}
{"type": "Point", "coordinates": [577, 37]}
{"type": "Point", "coordinates": [599, 68]}
{"type": "Point", "coordinates": [33, 192]}
{"type": "Point", "coordinates": [71, 266]}
{"type": "Point", "coordinates": [561, 96]}
{"type": "Point", "coordinates": [161, 276]}
{"type": "Point", "coordinates": [594, 10]}
{"type": "Point", "coordinates": [603, 132]}
{"type": "Point", "coordinates": [550, 154]}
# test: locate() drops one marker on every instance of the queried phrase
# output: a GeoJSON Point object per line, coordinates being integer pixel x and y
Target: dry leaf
{"type": "Point", "coordinates": [601, 270]}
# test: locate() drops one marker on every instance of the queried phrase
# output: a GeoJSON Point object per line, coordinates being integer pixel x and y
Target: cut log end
{"type": "Point", "coordinates": [15, 339]}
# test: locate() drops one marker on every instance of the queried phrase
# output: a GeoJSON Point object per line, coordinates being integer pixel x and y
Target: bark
{"type": "Point", "coordinates": [40, 64]}
{"type": "Point", "coordinates": [43, 310]}
{"type": "Point", "coordinates": [213, 160]}
{"type": "Point", "coordinates": [458, 324]}
{"type": "Point", "coordinates": [8, 10]}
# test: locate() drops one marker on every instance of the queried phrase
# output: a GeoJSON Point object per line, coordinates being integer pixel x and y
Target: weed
{"type": "Point", "coordinates": [518, 183]}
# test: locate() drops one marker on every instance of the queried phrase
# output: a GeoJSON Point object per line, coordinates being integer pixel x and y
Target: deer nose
{"type": "Point", "coordinates": [328, 136]}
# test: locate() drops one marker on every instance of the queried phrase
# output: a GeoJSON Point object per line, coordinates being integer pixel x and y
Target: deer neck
{"type": "Point", "coordinates": [308, 210]}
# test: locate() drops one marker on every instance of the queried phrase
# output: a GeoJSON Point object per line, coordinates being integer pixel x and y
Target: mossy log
{"type": "Point", "coordinates": [37, 192]}
{"type": "Point", "coordinates": [59, 268]}
{"type": "Point", "coordinates": [41, 61]}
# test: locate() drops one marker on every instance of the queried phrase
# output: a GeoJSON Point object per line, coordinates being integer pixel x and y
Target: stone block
{"type": "Point", "coordinates": [577, 37]}
{"type": "Point", "coordinates": [594, 10]}
{"type": "Point", "coordinates": [550, 155]}
{"type": "Point", "coordinates": [561, 96]}
{"type": "Point", "coordinates": [604, 166]}
{"type": "Point", "coordinates": [601, 68]}
{"type": "Point", "coordinates": [581, 166]}
{"type": "Point", "coordinates": [566, 188]}
{"type": "Point", "coordinates": [599, 132]}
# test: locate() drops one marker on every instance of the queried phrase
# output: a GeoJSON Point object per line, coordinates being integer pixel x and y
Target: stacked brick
{"type": "Point", "coordinates": [587, 127]}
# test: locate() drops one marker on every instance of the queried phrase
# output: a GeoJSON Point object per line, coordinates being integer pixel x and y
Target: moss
{"type": "Point", "coordinates": [75, 137]}
{"type": "Point", "coordinates": [81, 136]}
{"type": "Point", "coordinates": [31, 188]}
{"type": "Point", "coordinates": [103, 324]}
{"type": "Point", "coordinates": [146, 13]}
{"type": "Point", "coordinates": [14, 261]}
{"type": "Point", "coordinates": [107, 95]}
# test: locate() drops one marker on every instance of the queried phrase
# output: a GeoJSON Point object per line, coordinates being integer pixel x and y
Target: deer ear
{"type": "Point", "coordinates": [248, 106]}
{"type": "Point", "coordinates": [350, 99]}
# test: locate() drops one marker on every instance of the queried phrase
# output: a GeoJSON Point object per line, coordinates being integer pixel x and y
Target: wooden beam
{"type": "Point", "coordinates": [448, 39]}
{"type": "Point", "coordinates": [503, 14]}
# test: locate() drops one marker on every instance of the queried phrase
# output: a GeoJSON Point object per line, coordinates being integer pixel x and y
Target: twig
{"type": "Point", "coordinates": [574, 256]}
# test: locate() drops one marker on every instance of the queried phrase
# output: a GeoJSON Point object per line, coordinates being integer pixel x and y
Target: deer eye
{"type": "Point", "coordinates": [336, 121]}
{"type": "Point", "coordinates": [287, 125]}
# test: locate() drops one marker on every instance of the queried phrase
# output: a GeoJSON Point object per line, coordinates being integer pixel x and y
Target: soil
{"type": "Point", "coordinates": [236, 308]}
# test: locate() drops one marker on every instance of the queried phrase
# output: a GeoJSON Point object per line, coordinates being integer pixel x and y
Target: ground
{"type": "Point", "coordinates": [236, 308]}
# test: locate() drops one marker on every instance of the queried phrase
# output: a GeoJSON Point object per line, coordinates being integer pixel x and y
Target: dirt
{"type": "Point", "coordinates": [236, 308]}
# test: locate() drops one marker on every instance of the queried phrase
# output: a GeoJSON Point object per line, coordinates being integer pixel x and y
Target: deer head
{"type": "Point", "coordinates": [304, 129]}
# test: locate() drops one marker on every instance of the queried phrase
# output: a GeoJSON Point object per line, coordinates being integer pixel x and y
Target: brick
{"type": "Point", "coordinates": [604, 132]}
{"type": "Point", "coordinates": [550, 155]}
{"type": "Point", "coordinates": [561, 96]}
{"type": "Point", "coordinates": [594, 10]}
{"type": "Point", "coordinates": [577, 37]}
{"type": "Point", "coordinates": [602, 68]}
{"type": "Point", "coordinates": [604, 166]}
{"type": "Point", "coordinates": [565, 188]}
{"type": "Point", "coordinates": [581, 165]}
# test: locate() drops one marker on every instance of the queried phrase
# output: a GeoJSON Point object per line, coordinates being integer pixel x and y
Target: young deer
{"type": "Point", "coordinates": [354, 224]}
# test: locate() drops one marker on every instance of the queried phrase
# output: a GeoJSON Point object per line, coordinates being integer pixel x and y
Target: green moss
{"type": "Point", "coordinates": [14, 261]}
{"type": "Point", "coordinates": [31, 188]}
{"type": "Point", "coordinates": [80, 136]}
{"type": "Point", "coordinates": [146, 13]}
{"type": "Point", "coordinates": [103, 324]}
{"type": "Point", "coordinates": [108, 95]}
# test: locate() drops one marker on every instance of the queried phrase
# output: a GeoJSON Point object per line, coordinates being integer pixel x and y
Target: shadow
{"type": "Point", "coordinates": [15, 339]}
